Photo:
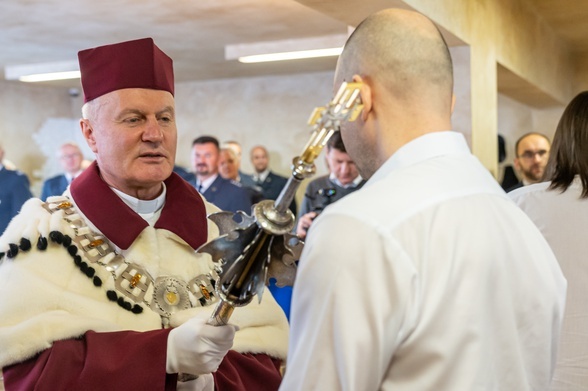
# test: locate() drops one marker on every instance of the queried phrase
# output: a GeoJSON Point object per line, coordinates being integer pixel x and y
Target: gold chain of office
{"type": "Point", "coordinates": [163, 295]}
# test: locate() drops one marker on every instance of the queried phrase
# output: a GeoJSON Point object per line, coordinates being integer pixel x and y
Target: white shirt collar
{"type": "Point", "coordinates": [423, 148]}
{"type": "Point", "coordinates": [149, 210]}
{"type": "Point", "coordinates": [260, 176]}
{"type": "Point", "coordinates": [352, 184]}
{"type": "Point", "coordinates": [205, 183]}
{"type": "Point", "coordinates": [70, 177]}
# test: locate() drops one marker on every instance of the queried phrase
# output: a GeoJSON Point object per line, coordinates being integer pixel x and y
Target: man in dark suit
{"type": "Point", "coordinates": [271, 184]}
{"type": "Point", "coordinates": [343, 179]}
{"type": "Point", "coordinates": [71, 158]}
{"type": "Point", "coordinates": [532, 153]}
{"type": "Point", "coordinates": [225, 194]}
{"type": "Point", "coordinates": [185, 174]}
{"type": "Point", "coordinates": [14, 191]}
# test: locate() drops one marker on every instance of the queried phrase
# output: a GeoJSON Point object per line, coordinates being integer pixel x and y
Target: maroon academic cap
{"type": "Point", "coordinates": [131, 64]}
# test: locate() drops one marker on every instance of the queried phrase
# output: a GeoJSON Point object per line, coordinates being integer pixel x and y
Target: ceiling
{"type": "Point", "coordinates": [569, 19]}
{"type": "Point", "coordinates": [194, 32]}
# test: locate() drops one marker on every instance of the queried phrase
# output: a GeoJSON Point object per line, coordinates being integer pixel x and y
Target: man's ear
{"type": "Point", "coordinates": [366, 96]}
{"type": "Point", "coordinates": [452, 102]}
{"type": "Point", "coordinates": [88, 133]}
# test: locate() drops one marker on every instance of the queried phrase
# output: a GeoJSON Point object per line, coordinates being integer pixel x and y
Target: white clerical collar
{"type": "Point", "coordinates": [352, 184]}
{"type": "Point", "coordinates": [202, 186]}
{"type": "Point", "coordinates": [149, 210]}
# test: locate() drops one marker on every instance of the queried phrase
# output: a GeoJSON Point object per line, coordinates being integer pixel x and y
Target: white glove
{"type": "Point", "coordinates": [198, 348]}
{"type": "Point", "coordinates": [202, 383]}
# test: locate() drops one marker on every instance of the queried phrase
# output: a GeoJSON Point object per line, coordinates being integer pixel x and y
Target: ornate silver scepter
{"type": "Point", "coordinates": [253, 249]}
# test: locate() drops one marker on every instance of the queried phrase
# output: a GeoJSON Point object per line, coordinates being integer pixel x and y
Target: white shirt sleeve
{"type": "Point", "coordinates": [350, 306]}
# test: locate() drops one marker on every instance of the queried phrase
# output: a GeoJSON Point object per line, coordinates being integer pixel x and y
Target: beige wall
{"type": "Point", "coordinates": [23, 109]}
{"type": "Point", "coordinates": [511, 32]}
{"type": "Point", "coordinates": [536, 65]}
{"type": "Point", "coordinates": [269, 110]}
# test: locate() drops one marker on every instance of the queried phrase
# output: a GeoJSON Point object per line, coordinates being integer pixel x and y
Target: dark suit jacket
{"type": "Point", "coordinates": [54, 186]}
{"type": "Point", "coordinates": [270, 188]}
{"type": "Point", "coordinates": [14, 191]}
{"type": "Point", "coordinates": [510, 179]}
{"type": "Point", "coordinates": [255, 194]}
{"type": "Point", "coordinates": [227, 195]}
{"type": "Point", "coordinates": [518, 185]}
{"type": "Point", "coordinates": [185, 174]}
{"type": "Point", "coordinates": [314, 201]}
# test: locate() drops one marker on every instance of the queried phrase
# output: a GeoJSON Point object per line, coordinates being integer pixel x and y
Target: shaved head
{"type": "Point", "coordinates": [406, 75]}
{"type": "Point", "coordinates": [403, 51]}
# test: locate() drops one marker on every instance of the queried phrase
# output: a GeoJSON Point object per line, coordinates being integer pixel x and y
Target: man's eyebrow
{"type": "Point", "coordinates": [129, 111]}
{"type": "Point", "coordinates": [167, 109]}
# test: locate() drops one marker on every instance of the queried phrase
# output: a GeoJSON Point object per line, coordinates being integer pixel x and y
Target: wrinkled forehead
{"type": "Point", "coordinates": [206, 148]}
{"type": "Point", "coordinates": [259, 152]}
{"type": "Point", "coordinates": [533, 142]}
{"type": "Point", "coordinates": [130, 99]}
{"type": "Point", "coordinates": [68, 148]}
{"type": "Point", "coordinates": [227, 156]}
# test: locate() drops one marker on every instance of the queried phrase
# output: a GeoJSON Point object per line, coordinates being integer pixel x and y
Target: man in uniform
{"type": "Point", "coordinates": [14, 191]}
{"type": "Point", "coordinates": [102, 289]}
{"type": "Point", "coordinates": [228, 168]}
{"type": "Point", "coordinates": [268, 182]}
{"type": "Point", "coordinates": [226, 194]}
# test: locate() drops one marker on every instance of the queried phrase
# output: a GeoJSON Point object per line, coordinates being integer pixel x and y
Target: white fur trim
{"type": "Point", "coordinates": [45, 297]}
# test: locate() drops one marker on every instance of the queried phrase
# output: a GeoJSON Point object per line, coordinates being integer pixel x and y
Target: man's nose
{"type": "Point", "coordinates": [153, 131]}
{"type": "Point", "coordinates": [538, 156]}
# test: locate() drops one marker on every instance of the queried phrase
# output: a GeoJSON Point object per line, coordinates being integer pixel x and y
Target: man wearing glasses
{"type": "Point", "coordinates": [532, 152]}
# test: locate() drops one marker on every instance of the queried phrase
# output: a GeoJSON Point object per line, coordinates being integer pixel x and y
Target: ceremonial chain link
{"type": "Point", "coordinates": [164, 295]}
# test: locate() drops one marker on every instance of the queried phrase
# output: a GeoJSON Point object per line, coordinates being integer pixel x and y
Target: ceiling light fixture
{"type": "Point", "coordinates": [50, 76]}
{"type": "Point", "coordinates": [290, 49]}
{"type": "Point", "coordinates": [42, 72]}
{"type": "Point", "coordinates": [291, 55]}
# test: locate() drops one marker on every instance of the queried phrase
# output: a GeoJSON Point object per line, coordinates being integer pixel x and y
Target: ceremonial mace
{"type": "Point", "coordinates": [252, 249]}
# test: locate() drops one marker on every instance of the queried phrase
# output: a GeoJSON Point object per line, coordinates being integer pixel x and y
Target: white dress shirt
{"type": "Point", "coordinates": [202, 186]}
{"type": "Point", "coordinates": [259, 177]}
{"type": "Point", "coordinates": [427, 279]}
{"type": "Point", "coordinates": [563, 220]}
